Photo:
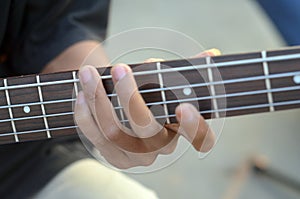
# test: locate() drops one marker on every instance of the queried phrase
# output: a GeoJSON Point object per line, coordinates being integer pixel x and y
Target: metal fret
{"type": "Point", "coordinates": [172, 101]}
{"type": "Point", "coordinates": [75, 83]}
{"type": "Point", "coordinates": [238, 80]}
{"type": "Point", "coordinates": [212, 87]}
{"type": "Point", "coordinates": [172, 115]}
{"type": "Point", "coordinates": [120, 110]}
{"type": "Point", "coordinates": [59, 87]}
{"type": "Point", "coordinates": [163, 94]}
{"type": "Point", "coordinates": [169, 70]}
{"type": "Point", "coordinates": [42, 106]}
{"type": "Point", "coordinates": [249, 79]}
{"type": "Point", "coordinates": [267, 80]}
{"type": "Point", "coordinates": [10, 111]}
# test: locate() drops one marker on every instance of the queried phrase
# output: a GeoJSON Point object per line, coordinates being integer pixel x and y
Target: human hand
{"type": "Point", "coordinates": [139, 146]}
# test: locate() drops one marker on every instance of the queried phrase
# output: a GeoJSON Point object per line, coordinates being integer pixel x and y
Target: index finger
{"type": "Point", "coordinates": [140, 117]}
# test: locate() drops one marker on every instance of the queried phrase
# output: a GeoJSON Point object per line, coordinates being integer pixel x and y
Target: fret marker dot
{"type": "Point", "coordinates": [297, 79]}
{"type": "Point", "coordinates": [26, 109]}
{"type": "Point", "coordinates": [187, 91]}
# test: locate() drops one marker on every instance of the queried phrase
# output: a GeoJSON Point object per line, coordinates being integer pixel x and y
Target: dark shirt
{"type": "Point", "coordinates": [33, 32]}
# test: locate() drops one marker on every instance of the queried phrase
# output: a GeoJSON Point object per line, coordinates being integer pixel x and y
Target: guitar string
{"type": "Point", "coordinates": [276, 104]}
{"type": "Point", "coordinates": [168, 70]}
{"type": "Point", "coordinates": [238, 94]}
{"type": "Point", "coordinates": [37, 117]}
{"type": "Point", "coordinates": [39, 130]}
{"type": "Point", "coordinates": [197, 85]}
{"type": "Point", "coordinates": [195, 99]}
{"type": "Point", "coordinates": [278, 58]}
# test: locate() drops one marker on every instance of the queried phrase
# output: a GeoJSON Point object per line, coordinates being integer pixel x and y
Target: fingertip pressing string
{"type": "Point", "coordinates": [178, 69]}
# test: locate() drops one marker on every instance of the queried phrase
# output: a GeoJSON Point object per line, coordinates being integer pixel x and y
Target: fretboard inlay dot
{"type": "Point", "coordinates": [187, 91]}
{"type": "Point", "coordinates": [39, 107]}
{"type": "Point", "coordinates": [26, 109]}
{"type": "Point", "coordinates": [297, 79]}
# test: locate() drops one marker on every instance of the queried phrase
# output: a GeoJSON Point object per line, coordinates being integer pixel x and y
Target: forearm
{"type": "Point", "coordinates": [82, 53]}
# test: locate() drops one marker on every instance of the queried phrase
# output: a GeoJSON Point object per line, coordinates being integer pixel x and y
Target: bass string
{"type": "Point", "coordinates": [276, 104]}
{"type": "Point", "coordinates": [168, 70]}
{"type": "Point", "coordinates": [171, 88]}
{"type": "Point", "coordinates": [238, 94]}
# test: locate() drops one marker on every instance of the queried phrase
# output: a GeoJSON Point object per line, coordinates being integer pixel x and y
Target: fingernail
{"type": "Point", "coordinates": [189, 112]}
{"type": "Point", "coordinates": [185, 110]}
{"type": "Point", "coordinates": [214, 52]}
{"type": "Point", "coordinates": [85, 74]}
{"type": "Point", "coordinates": [80, 98]}
{"type": "Point", "coordinates": [119, 72]}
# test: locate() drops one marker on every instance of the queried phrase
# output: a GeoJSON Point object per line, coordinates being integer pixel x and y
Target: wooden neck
{"type": "Point", "coordinates": [40, 106]}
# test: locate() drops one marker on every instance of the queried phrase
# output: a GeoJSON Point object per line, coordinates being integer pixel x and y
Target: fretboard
{"type": "Point", "coordinates": [39, 107]}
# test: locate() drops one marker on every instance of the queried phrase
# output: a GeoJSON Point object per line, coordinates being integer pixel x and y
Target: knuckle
{"type": "Point", "coordinates": [99, 95]}
{"type": "Point", "coordinates": [113, 134]}
{"type": "Point", "coordinates": [168, 149]}
{"type": "Point", "coordinates": [81, 117]}
{"type": "Point", "coordinates": [148, 130]}
{"type": "Point", "coordinates": [145, 163]}
{"type": "Point", "coordinates": [148, 161]}
{"type": "Point", "coordinates": [90, 96]}
{"type": "Point", "coordinates": [99, 142]}
{"type": "Point", "coordinates": [94, 92]}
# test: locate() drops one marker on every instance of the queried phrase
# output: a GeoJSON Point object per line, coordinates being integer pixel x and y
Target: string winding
{"type": "Point", "coordinates": [7, 87]}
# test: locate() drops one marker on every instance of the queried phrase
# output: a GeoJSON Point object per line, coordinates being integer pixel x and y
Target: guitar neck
{"type": "Point", "coordinates": [39, 107]}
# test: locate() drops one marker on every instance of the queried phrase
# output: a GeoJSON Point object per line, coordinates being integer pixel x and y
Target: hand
{"type": "Point", "coordinates": [139, 146]}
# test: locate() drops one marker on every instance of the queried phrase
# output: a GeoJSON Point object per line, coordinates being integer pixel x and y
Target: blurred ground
{"type": "Point", "coordinates": [232, 26]}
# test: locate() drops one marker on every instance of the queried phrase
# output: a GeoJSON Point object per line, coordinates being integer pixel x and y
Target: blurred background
{"type": "Point", "coordinates": [233, 26]}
